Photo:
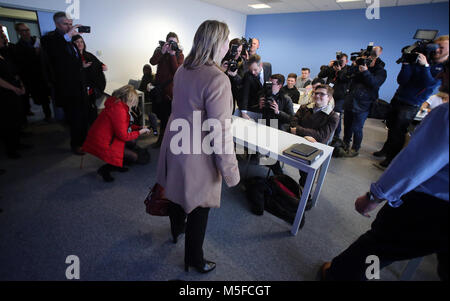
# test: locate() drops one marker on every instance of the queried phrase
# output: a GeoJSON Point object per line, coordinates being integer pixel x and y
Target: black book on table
{"type": "Point", "coordinates": [303, 153]}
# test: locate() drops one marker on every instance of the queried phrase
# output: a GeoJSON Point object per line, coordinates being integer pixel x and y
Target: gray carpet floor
{"type": "Point", "coordinates": [53, 209]}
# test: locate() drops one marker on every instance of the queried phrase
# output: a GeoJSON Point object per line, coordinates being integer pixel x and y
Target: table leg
{"type": "Point", "coordinates": [322, 174]}
{"type": "Point", "coordinates": [303, 200]}
{"type": "Point", "coordinates": [142, 98]}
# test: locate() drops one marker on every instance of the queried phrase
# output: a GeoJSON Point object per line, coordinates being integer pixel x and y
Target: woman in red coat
{"type": "Point", "coordinates": [109, 133]}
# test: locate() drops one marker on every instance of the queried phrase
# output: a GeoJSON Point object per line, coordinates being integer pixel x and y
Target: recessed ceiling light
{"type": "Point", "coordinates": [343, 1]}
{"type": "Point", "coordinates": [259, 6]}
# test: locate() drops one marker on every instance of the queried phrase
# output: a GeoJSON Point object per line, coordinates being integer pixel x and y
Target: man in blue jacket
{"type": "Point", "coordinates": [414, 221]}
{"type": "Point", "coordinates": [363, 92]}
{"type": "Point", "coordinates": [417, 83]}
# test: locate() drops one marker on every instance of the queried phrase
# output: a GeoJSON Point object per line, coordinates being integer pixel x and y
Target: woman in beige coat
{"type": "Point", "coordinates": [192, 175]}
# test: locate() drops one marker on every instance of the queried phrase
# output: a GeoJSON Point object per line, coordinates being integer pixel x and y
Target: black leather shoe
{"type": "Point", "coordinates": [380, 154]}
{"type": "Point", "coordinates": [104, 173]}
{"type": "Point", "coordinates": [207, 267]}
{"type": "Point", "coordinates": [122, 169]}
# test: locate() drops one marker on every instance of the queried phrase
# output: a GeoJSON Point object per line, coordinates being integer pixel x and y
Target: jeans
{"type": "Point", "coordinates": [353, 127]}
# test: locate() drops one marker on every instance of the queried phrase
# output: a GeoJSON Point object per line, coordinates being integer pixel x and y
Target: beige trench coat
{"type": "Point", "coordinates": [194, 179]}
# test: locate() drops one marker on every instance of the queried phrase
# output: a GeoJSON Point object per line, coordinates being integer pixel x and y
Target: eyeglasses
{"type": "Point", "coordinates": [320, 94]}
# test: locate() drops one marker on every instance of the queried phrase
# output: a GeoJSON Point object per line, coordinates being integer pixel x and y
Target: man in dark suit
{"type": "Point", "coordinates": [258, 73]}
{"type": "Point", "coordinates": [65, 65]}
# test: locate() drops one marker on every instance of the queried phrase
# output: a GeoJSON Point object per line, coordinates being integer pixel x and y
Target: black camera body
{"type": "Point", "coordinates": [363, 57]}
{"type": "Point", "coordinates": [339, 59]}
{"type": "Point", "coordinates": [173, 45]}
{"type": "Point", "coordinates": [231, 58]}
{"type": "Point", "coordinates": [268, 95]}
{"type": "Point", "coordinates": [424, 45]}
{"type": "Point", "coordinates": [246, 45]}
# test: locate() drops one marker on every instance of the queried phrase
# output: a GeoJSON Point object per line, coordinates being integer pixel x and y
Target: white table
{"type": "Point", "coordinates": [112, 86]}
{"type": "Point", "coordinates": [272, 142]}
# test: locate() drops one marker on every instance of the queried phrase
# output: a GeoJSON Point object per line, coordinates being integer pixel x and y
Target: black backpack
{"type": "Point", "coordinates": [278, 195]}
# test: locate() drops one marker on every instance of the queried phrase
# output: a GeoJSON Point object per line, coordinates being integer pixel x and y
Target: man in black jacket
{"type": "Point", "coordinates": [366, 81]}
{"type": "Point", "coordinates": [65, 67]}
{"type": "Point", "coordinates": [336, 74]}
{"type": "Point", "coordinates": [258, 73]}
{"type": "Point", "coordinates": [277, 106]}
{"type": "Point", "coordinates": [28, 61]}
{"type": "Point", "coordinates": [290, 89]}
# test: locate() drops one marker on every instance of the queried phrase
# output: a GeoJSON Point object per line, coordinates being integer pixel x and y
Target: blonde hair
{"type": "Point", "coordinates": [208, 41]}
{"type": "Point", "coordinates": [128, 95]}
{"type": "Point", "coordinates": [441, 39]}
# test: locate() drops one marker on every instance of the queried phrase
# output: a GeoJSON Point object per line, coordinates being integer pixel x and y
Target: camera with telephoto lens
{"type": "Point", "coordinates": [363, 57]}
{"type": "Point", "coordinates": [268, 94]}
{"type": "Point", "coordinates": [173, 45]}
{"type": "Point", "coordinates": [231, 58]}
{"type": "Point", "coordinates": [339, 59]}
{"type": "Point", "coordinates": [424, 45]}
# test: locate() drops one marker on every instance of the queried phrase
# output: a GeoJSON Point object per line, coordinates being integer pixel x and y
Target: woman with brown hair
{"type": "Point", "coordinates": [193, 182]}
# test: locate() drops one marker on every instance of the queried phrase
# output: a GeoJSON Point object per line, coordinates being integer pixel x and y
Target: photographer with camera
{"type": "Point", "coordinates": [336, 74]}
{"type": "Point", "coordinates": [168, 57]}
{"type": "Point", "coordinates": [253, 83]}
{"type": "Point", "coordinates": [233, 66]}
{"type": "Point", "coordinates": [276, 105]}
{"type": "Point", "coordinates": [417, 80]}
{"type": "Point", "coordinates": [366, 75]}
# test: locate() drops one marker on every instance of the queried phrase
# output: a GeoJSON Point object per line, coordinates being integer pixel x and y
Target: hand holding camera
{"type": "Point", "coordinates": [422, 60]}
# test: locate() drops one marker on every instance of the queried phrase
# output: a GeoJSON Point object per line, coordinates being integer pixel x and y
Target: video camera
{"type": "Point", "coordinates": [424, 46]}
{"type": "Point", "coordinates": [231, 58]}
{"type": "Point", "coordinates": [363, 58]}
{"type": "Point", "coordinates": [173, 45]}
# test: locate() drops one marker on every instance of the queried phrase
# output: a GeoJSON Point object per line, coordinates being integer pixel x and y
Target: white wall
{"type": "Point", "coordinates": [127, 31]}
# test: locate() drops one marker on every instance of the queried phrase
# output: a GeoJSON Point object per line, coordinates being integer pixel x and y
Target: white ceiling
{"type": "Point", "coordinates": [293, 6]}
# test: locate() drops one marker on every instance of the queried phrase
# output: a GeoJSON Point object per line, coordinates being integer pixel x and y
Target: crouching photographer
{"type": "Point", "coordinates": [275, 105]}
{"type": "Point", "coordinates": [367, 75]}
{"type": "Point", "coordinates": [418, 80]}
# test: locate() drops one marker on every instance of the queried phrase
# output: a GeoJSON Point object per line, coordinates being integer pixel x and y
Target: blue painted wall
{"type": "Point", "coordinates": [46, 23]}
{"type": "Point", "coordinates": [296, 40]}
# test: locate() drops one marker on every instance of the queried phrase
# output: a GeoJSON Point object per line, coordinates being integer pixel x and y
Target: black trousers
{"type": "Point", "coordinates": [195, 229]}
{"type": "Point", "coordinates": [77, 115]}
{"type": "Point", "coordinates": [399, 120]}
{"type": "Point", "coordinates": [11, 116]}
{"type": "Point", "coordinates": [163, 111]}
{"type": "Point", "coordinates": [417, 228]}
